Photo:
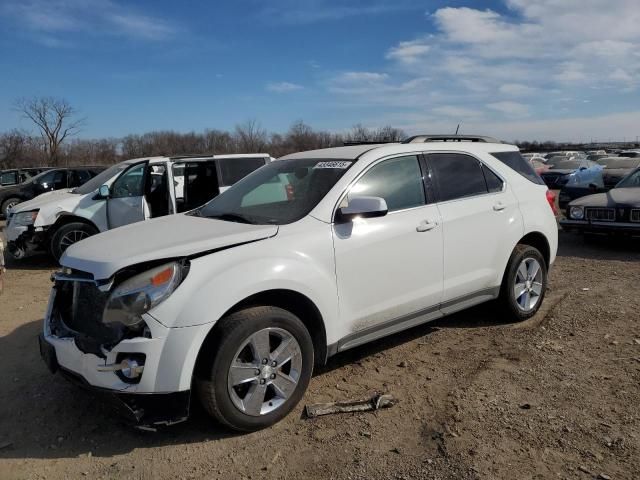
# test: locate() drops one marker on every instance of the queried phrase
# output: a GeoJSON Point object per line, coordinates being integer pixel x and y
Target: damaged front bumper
{"type": "Point", "coordinates": [144, 411]}
{"type": "Point", "coordinates": [158, 396]}
{"type": "Point", "coordinates": [23, 241]}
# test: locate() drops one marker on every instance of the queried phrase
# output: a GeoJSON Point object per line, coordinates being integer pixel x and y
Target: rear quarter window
{"type": "Point", "coordinates": [515, 161]}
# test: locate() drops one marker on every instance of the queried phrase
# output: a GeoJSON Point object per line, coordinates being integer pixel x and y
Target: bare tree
{"type": "Point", "coordinates": [55, 118]}
{"type": "Point", "coordinates": [251, 137]}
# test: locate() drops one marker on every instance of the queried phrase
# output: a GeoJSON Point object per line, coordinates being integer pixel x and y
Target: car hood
{"type": "Point", "coordinates": [614, 197]}
{"type": "Point", "coordinates": [44, 199]}
{"type": "Point", "coordinates": [616, 172]}
{"type": "Point", "coordinates": [167, 237]}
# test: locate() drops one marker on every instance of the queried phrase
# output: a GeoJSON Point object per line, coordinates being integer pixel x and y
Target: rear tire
{"type": "Point", "coordinates": [7, 204]}
{"type": "Point", "coordinates": [524, 283]}
{"type": "Point", "coordinates": [67, 235]}
{"type": "Point", "coordinates": [258, 369]}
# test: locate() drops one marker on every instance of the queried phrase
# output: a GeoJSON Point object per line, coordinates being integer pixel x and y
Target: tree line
{"type": "Point", "coordinates": [57, 124]}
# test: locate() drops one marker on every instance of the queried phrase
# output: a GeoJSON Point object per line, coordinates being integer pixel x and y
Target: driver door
{"type": "Point", "coordinates": [389, 269]}
{"type": "Point", "coordinates": [126, 203]}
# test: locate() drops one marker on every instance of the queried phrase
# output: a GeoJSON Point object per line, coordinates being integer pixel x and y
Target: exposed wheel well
{"type": "Point", "coordinates": [69, 218]}
{"type": "Point", "coordinates": [539, 241]}
{"type": "Point", "coordinates": [294, 302]}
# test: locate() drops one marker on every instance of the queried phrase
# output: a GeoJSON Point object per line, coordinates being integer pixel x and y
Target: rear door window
{"type": "Point", "coordinates": [457, 175]}
{"type": "Point", "coordinates": [234, 169]}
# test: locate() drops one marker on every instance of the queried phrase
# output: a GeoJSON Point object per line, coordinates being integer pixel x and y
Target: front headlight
{"type": "Point", "coordinates": [577, 213]}
{"type": "Point", "coordinates": [141, 293]}
{"type": "Point", "coordinates": [24, 219]}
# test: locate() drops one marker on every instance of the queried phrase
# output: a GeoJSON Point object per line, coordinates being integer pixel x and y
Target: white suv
{"type": "Point", "coordinates": [128, 192]}
{"type": "Point", "coordinates": [306, 257]}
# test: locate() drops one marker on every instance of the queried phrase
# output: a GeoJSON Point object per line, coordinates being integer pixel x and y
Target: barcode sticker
{"type": "Point", "coordinates": [336, 164]}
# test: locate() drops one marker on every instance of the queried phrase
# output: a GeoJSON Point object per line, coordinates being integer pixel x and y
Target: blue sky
{"type": "Point", "coordinates": [525, 69]}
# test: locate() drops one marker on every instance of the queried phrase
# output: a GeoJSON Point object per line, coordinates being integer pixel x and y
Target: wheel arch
{"type": "Point", "coordinates": [295, 302]}
{"type": "Point", "coordinates": [539, 241]}
{"type": "Point", "coordinates": [65, 218]}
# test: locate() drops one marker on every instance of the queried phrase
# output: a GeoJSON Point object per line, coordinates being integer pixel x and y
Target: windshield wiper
{"type": "Point", "coordinates": [231, 217]}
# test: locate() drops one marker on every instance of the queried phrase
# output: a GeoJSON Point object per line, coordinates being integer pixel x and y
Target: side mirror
{"type": "Point", "coordinates": [363, 207]}
{"type": "Point", "coordinates": [104, 191]}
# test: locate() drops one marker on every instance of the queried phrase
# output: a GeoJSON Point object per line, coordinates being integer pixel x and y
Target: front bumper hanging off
{"type": "Point", "coordinates": [147, 411]}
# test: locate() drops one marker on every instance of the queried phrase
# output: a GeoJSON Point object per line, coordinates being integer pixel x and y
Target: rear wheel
{"type": "Point", "coordinates": [7, 204]}
{"type": "Point", "coordinates": [259, 368]}
{"type": "Point", "coordinates": [67, 235]}
{"type": "Point", "coordinates": [524, 283]}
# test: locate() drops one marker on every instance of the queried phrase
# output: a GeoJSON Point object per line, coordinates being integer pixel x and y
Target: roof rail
{"type": "Point", "coordinates": [367, 142]}
{"type": "Point", "coordinates": [193, 155]}
{"type": "Point", "coordinates": [450, 138]}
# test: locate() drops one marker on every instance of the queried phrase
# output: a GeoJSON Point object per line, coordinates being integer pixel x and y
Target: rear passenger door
{"type": "Point", "coordinates": [480, 216]}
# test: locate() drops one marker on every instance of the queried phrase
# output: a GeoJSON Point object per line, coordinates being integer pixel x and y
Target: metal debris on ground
{"type": "Point", "coordinates": [376, 402]}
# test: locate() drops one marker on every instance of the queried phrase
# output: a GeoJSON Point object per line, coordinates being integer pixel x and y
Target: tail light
{"type": "Point", "coordinates": [551, 198]}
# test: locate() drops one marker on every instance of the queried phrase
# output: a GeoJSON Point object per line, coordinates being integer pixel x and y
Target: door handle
{"type": "Point", "coordinates": [426, 225]}
{"type": "Point", "coordinates": [499, 206]}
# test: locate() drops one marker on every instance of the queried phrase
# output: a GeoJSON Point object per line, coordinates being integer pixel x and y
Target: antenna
{"type": "Point", "coordinates": [457, 128]}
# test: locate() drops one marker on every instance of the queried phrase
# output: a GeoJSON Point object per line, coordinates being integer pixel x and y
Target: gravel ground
{"type": "Point", "coordinates": [553, 397]}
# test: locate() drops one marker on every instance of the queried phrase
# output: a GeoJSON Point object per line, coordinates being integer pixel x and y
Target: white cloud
{"type": "Point", "coordinates": [516, 90]}
{"type": "Point", "coordinates": [514, 64]}
{"type": "Point", "coordinates": [49, 20]}
{"type": "Point", "coordinates": [616, 126]}
{"type": "Point", "coordinates": [298, 12]}
{"type": "Point", "coordinates": [511, 109]}
{"type": "Point", "coordinates": [459, 113]}
{"type": "Point", "coordinates": [409, 52]}
{"type": "Point", "coordinates": [283, 87]}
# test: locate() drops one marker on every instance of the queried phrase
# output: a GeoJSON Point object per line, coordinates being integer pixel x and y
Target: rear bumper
{"type": "Point", "coordinates": [600, 227]}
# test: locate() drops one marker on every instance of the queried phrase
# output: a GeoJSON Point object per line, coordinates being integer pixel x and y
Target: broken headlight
{"type": "Point", "coordinates": [140, 293]}
{"type": "Point", "coordinates": [24, 219]}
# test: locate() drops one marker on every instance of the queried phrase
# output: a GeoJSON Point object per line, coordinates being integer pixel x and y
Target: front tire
{"type": "Point", "coordinates": [7, 204]}
{"type": "Point", "coordinates": [258, 369]}
{"type": "Point", "coordinates": [67, 235]}
{"type": "Point", "coordinates": [524, 283]}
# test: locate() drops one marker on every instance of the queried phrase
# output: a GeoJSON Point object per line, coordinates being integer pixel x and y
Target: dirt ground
{"type": "Point", "coordinates": [554, 397]}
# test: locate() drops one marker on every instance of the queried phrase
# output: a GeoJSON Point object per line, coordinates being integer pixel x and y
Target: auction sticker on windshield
{"type": "Point", "coordinates": [335, 164]}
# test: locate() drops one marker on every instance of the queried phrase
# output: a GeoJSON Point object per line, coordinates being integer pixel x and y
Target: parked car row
{"type": "Point", "coordinates": [128, 192]}
{"type": "Point", "coordinates": [18, 175]}
{"type": "Point", "coordinates": [614, 211]}
{"type": "Point", "coordinates": [47, 181]}
{"type": "Point", "coordinates": [577, 174]}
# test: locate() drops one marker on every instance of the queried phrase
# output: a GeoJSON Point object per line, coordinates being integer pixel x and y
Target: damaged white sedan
{"type": "Point", "coordinates": [308, 256]}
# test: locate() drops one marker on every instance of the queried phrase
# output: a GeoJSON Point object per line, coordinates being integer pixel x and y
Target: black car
{"type": "Point", "coordinates": [614, 170]}
{"type": "Point", "coordinates": [49, 180]}
{"type": "Point", "coordinates": [15, 176]}
{"type": "Point", "coordinates": [617, 210]}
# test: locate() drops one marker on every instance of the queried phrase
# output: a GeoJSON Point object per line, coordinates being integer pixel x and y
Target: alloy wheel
{"type": "Point", "coordinates": [265, 371]}
{"type": "Point", "coordinates": [72, 237]}
{"type": "Point", "coordinates": [527, 287]}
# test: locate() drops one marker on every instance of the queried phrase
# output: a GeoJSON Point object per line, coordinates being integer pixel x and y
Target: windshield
{"type": "Point", "coordinates": [279, 193]}
{"type": "Point", "coordinates": [620, 162]}
{"type": "Point", "coordinates": [631, 154]}
{"type": "Point", "coordinates": [630, 181]}
{"type": "Point", "coordinates": [97, 181]}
